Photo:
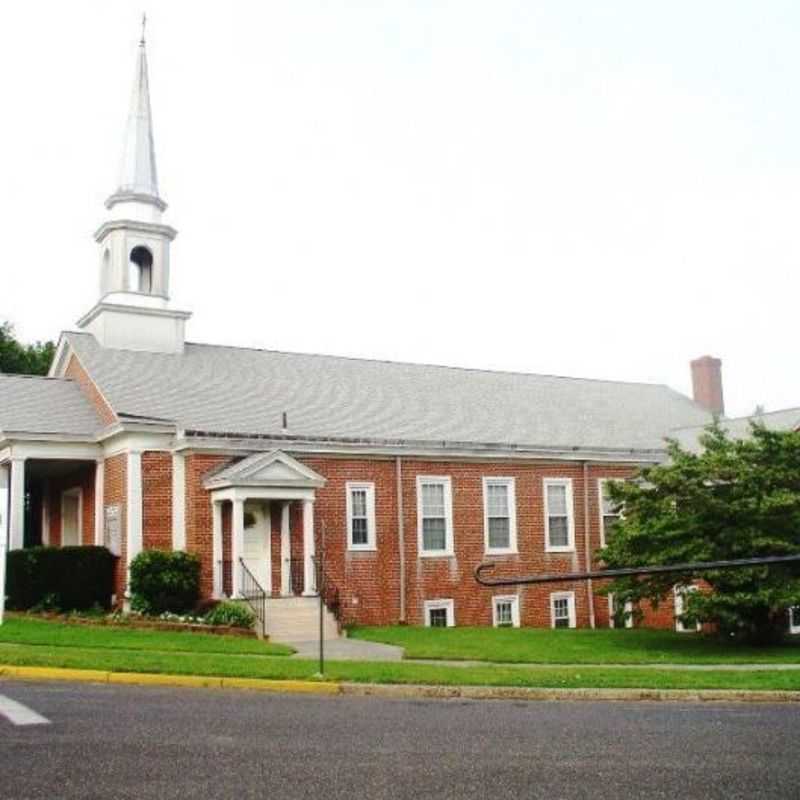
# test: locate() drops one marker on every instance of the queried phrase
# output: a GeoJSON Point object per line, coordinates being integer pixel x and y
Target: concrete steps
{"type": "Point", "coordinates": [296, 619]}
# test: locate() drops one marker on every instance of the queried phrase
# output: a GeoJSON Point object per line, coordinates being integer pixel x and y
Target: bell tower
{"type": "Point", "coordinates": [133, 311]}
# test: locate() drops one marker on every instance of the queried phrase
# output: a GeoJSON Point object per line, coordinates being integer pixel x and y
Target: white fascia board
{"type": "Point", "coordinates": [260, 493]}
{"type": "Point", "coordinates": [234, 447]}
{"type": "Point", "coordinates": [60, 358]}
{"type": "Point", "coordinates": [66, 451]}
{"type": "Point", "coordinates": [132, 441]}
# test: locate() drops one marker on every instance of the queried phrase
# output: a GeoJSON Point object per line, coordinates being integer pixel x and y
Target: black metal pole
{"type": "Point", "coordinates": [698, 566]}
{"type": "Point", "coordinates": [321, 618]}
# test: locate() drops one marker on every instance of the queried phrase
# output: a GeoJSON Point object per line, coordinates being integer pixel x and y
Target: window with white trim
{"type": "Point", "coordinates": [681, 607]}
{"type": "Point", "coordinates": [794, 619]}
{"type": "Point", "coordinates": [360, 516]}
{"type": "Point", "coordinates": [614, 612]}
{"type": "Point", "coordinates": [562, 609]}
{"type": "Point", "coordinates": [435, 516]}
{"type": "Point", "coordinates": [559, 523]}
{"type": "Point", "coordinates": [610, 512]}
{"type": "Point", "coordinates": [499, 515]}
{"type": "Point", "coordinates": [505, 611]}
{"type": "Point", "coordinates": [439, 613]}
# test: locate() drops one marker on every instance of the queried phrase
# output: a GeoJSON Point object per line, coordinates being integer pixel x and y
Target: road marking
{"type": "Point", "coordinates": [19, 714]}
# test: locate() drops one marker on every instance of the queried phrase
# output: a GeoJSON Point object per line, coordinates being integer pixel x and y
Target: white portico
{"type": "Point", "coordinates": [252, 486]}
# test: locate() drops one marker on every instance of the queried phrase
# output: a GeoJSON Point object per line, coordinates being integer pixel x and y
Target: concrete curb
{"type": "Point", "coordinates": [399, 691]}
{"type": "Point", "coordinates": [156, 679]}
{"type": "Point", "coordinates": [409, 691]}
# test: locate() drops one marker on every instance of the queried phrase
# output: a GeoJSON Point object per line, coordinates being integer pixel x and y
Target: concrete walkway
{"type": "Point", "coordinates": [347, 650]}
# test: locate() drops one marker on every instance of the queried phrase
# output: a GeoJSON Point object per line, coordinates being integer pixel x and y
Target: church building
{"type": "Point", "coordinates": [405, 476]}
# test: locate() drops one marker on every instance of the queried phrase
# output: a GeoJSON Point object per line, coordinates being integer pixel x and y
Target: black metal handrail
{"type": "Point", "coordinates": [254, 595]}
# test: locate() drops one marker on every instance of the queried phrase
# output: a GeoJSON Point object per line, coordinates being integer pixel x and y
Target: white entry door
{"type": "Point", "coordinates": [256, 552]}
{"type": "Point", "coordinates": [71, 518]}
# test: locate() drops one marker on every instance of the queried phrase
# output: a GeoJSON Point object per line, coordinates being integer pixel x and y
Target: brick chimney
{"type": "Point", "coordinates": [707, 384]}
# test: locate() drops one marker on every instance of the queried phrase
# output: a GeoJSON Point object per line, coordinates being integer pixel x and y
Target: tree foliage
{"type": "Point", "coordinates": [27, 359]}
{"type": "Point", "coordinates": [736, 498]}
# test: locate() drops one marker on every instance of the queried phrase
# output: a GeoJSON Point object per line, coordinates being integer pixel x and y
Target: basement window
{"type": "Point", "coordinates": [794, 619]}
{"type": "Point", "coordinates": [562, 609]}
{"type": "Point", "coordinates": [505, 611]}
{"type": "Point", "coordinates": [439, 614]}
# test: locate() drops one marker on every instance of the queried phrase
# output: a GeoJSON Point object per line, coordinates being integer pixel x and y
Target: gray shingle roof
{"type": "Point", "coordinates": [787, 419]}
{"type": "Point", "coordinates": [225, 389]}
{"type": "Point", "coordinates": [33, 404]}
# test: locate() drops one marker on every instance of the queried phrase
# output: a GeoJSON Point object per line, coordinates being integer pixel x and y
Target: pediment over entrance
{"type": "Point", "coordinates": [268, 470]}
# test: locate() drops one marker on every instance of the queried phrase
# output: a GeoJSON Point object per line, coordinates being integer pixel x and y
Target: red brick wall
{"type": "Point", "coordinates": [368, 582]}
{"type": "Point", "coordinates": [114, 493]}
{"type": "Point", "coordinates": [77, 373]}
{"type": "Point", "coordinates": [157, 500]}
{"type": "Point", "coordinates": [198, 514]}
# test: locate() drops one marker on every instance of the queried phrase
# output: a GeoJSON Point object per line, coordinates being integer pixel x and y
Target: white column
{"type": "Point", "coordinates": [237, 546]}
{"type": "Point", "coordinates": [99, 502]}
{"type": "Point", "coordinates": [5, 481]}
{"type": "Point", "coordinates": [216, 548]}
{"type": "Point", "coordinates": [309, 583]}
{"type": "Point", "coordinates": [286, 550]}
{"type": "Point", "coordinates": [134, 508]}
{"type": "Point", "coordinates": [179, 502]}
{"type": "Point", "coordinates": [16, 533]}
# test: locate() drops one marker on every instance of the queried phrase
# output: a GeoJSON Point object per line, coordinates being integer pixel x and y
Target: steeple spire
{"type": "Point", "coordinates": [138, 178]}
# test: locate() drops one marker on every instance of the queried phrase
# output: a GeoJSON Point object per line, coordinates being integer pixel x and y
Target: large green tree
{"type": "Point", "coordinates": [28, 359]}
{"type": "Point", "coordinates": [735, 498]}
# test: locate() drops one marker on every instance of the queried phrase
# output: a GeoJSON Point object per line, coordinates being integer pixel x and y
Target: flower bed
{"type": "Point", "coordinates": [136, 621]}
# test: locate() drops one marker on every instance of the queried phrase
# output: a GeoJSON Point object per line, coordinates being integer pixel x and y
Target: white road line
{"type": "Point", "coordinates": [19, 714]}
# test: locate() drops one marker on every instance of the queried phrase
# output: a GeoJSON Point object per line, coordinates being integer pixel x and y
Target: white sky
{"type": "Point", "coordinates": [592, 189]}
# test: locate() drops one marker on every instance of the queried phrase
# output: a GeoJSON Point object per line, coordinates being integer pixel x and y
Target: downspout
{"type": "Point", "coordinates": [587, 542]}
{"type": "Point", "coordinates": [398, 466]}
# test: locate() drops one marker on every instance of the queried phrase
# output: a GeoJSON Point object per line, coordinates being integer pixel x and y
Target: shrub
{"type": "Point", "coordinates": [233, 614]}
{"type": "Point", "coordinates": [164, 581]}
{"type": "Point", "coordinates": [59, 578]}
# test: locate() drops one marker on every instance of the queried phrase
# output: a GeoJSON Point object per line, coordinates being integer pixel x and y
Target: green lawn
{"type": "Point", "coordinates": [31, 642]}
{"type": "Point", "coordinates": [244, 666]}
{"type": "Point", "coordinates": [544, 646]}
{"type": "Point", "coordinates": [22, 630]}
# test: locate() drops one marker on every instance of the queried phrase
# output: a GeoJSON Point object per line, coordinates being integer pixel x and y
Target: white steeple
{"type": "Point", "coordinates": [133, 311]}
{"type": "Point", "coordinates": [138, 177]}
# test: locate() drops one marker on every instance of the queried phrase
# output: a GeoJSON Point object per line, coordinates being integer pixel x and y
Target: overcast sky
{"type": "Point", "coordinates": [592, 189]}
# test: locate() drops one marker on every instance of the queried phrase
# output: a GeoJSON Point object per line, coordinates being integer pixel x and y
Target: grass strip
{"type": "Point", "coordinates": [243, 666]}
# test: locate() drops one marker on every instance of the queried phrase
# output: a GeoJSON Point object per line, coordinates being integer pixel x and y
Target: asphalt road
{"type": "Point", "coordinates": [134, 742]}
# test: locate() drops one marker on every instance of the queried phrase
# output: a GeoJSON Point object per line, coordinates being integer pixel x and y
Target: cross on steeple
{"type": "Point", "coordinates": [144, 23]}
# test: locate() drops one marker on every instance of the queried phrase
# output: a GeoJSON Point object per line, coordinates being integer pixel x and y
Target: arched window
{"type": "Point", "coordinates": [141, 274]}
{"type": "Point", "coordinates": [105, 270]}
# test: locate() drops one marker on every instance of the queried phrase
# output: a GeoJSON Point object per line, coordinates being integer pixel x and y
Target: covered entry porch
{"type": "Point", "coordinates": [263, 526]}
{"type": "Point", "coordinates": [51, 496]}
